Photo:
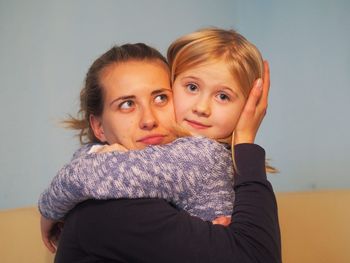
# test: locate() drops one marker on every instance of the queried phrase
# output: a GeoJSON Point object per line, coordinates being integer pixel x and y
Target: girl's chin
{"type": "Point", "coordinates": [194, 132]}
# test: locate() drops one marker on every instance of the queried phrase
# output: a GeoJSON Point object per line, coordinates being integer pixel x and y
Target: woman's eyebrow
{"type": "Point", "coordinates": [130, 97]}
{"type": "Point", "coordinates": [160, 91]}
{"type": "Point", "coordinates": [122, 98]}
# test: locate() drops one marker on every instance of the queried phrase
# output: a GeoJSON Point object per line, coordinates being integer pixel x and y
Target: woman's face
{"type": "Point", "coordinates": [208, 100]}
{"type": "Point", "coordinates": [138, 105]}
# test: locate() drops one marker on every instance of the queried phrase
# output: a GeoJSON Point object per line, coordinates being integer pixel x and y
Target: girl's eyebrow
{"type": "Point", "coordinates": [191, 77]}
{"type": "Point", "coordinates": [221, 86]}
{"type": "Point", "coordinates": [230, 89]}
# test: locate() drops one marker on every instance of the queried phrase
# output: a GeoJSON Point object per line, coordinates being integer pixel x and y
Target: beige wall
{"type": "Point", "coordinates": [314, 225]}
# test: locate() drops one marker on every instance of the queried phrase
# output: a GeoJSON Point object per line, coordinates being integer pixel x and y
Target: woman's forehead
{"type": "Point", "coordinates": [140, 77]}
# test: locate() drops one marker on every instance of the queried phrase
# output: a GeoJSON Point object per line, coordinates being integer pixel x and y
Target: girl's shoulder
{"type": "Point", "coordinates": [200, 144]}
{"type": "Point", "coordinates": [200, 140]}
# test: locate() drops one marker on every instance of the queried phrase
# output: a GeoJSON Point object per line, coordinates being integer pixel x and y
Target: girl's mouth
{"type": "Point", "coordinates": [197, 125]}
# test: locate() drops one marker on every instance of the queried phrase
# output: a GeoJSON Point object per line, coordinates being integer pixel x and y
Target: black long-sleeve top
{"type": "Point", "coordinates": [151, 230]}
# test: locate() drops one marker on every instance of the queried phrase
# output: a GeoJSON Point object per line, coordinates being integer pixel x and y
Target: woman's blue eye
{"type": "Point", "coordinates": [192, 87]}
{"type": "Point", "coordinates": [161, 99]}
{"type": "Point", "coordinates": [126, 105]}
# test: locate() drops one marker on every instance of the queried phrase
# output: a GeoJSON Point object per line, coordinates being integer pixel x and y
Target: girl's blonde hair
{"type": "Point", "coordinates": [210, 45]}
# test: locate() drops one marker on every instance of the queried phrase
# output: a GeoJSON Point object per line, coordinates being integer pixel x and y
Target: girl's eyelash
{"type": "Point", "coordinates": [187, 85]}
{"type": "Point", "coordinates": [192, 83]}
{"type": "Point", "coordinates": [225, 95]}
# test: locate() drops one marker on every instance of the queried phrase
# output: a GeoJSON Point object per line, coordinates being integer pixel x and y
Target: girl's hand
{"type": "Point", "coordinates": [254, 110]}
{"type": "Point", "coordinates": [50, 232]}
{"type": "Point", "coordinates": [112, 148]}
{"type": "Point", "coordinates": [222, 220]}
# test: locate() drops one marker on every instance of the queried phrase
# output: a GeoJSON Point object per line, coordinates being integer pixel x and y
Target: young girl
{"type": "Point", "coordinates": [212, 72]}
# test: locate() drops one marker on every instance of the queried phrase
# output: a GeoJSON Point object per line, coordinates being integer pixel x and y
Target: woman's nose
{"type": "Point", "coordinates": [148, 120]}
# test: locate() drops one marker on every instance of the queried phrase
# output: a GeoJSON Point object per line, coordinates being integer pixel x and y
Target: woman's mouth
{"type": "Point", "coordinates": [152, 139]}
{"type": "Point", "coordinates": [197, 125]}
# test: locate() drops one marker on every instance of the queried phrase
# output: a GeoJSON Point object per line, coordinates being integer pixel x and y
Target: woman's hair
{"type": "Point", "coordinates": [209, 45]}
{"type": "Point", "coordinates": [91, 95]}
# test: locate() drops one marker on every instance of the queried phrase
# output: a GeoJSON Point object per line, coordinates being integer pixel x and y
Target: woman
{"type": "Point", "coordinates": [111, 129]}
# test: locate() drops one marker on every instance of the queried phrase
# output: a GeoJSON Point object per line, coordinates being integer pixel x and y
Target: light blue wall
{"type": "Point", "coordinates": [306, 131]}
{"type": "Point", "coordinates": [47, 46]}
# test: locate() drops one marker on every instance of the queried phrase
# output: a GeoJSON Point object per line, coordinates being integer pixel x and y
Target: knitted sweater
{"type": "Point", "coordinates": [193, 173]}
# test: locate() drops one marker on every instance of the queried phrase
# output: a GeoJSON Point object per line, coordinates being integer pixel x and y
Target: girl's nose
{"type": "Point", "coordinates": [202, 108]}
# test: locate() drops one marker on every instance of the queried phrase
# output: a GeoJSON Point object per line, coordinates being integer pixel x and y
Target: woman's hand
{"type": "Point", "coordinates": [222, 220]}
{"type": "Point", "coordinates": [50, 232]}
{"type": "Point", "coordinates": [254, 110]}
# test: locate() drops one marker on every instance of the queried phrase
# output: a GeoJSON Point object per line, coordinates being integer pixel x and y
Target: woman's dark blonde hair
{"type": "Point", "coordinates": [91, 95]}
{"type": "Point", "coordinates": [210, 45]}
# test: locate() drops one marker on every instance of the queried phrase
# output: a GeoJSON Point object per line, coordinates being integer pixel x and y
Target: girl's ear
{"type": "Point", "coordinates": [96, 125]}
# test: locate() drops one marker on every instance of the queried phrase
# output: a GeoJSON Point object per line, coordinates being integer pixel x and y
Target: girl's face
{"type": "Point", "coordinates": [138, 106]}
{"type": "Point", "coordinates": [208, 100]}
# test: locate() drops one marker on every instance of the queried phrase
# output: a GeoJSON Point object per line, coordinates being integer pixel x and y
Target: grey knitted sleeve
{"type": "Point", "coordinates": [194, 173]}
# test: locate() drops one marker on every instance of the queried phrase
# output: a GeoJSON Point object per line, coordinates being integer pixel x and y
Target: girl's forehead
{"type": "Point", "coordinates": [218, 70]}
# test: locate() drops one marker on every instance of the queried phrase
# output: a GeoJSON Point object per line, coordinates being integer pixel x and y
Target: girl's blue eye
{"type": "Point", "coordinates": [161, 99]}
{"type": "Point", "coordinates": [126, 105]}
{"type": "Point", "coordinates": [223, 97]}
{"type": "Point", "coordinates": [192, 87]}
